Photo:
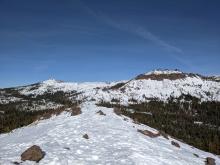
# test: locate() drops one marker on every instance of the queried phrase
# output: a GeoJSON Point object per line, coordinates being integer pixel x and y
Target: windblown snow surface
{"type": "Point", "coordinates": [112, 141]}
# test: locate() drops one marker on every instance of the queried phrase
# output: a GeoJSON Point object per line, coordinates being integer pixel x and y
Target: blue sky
{"type": "Point", "coordinates": [84, 40]}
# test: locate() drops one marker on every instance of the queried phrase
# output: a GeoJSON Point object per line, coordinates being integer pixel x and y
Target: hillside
{"type": "Point", "coordinates": [184, 106]}
{"type": "Point", "coordinates": [112, 140]}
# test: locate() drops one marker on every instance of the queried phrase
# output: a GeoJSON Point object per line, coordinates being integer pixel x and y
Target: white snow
{"type": "Point", "coordinates": [111, 141]}
{"type": "Point", "coordinates": [217, 78]}
{"type": "Point", "coordinates": [143, 90]}
{"type": "Point", "coordinates": [140, 90]}
{"type": "Point", "coordinates": [198, 122]}
{"type": "Point", "coordinates": [8, 99]}
{"type": "Point", "coordinates": [54, 86]}
{"type": "Point", "coordinates": [158, 72]}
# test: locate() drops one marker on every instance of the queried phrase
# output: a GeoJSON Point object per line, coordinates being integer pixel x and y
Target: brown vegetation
{"type": "Point", "coordinates": [75, 111]}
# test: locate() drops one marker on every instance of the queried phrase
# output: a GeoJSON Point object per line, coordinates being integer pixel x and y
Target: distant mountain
{"type": "Point", "coordinates": [158, 84]}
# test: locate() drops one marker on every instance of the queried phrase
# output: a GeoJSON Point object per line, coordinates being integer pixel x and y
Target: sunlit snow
{"type": "Point", "coordinates": [112, 141]}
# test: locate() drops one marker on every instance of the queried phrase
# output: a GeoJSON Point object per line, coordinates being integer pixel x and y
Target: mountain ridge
{"type": "Point", "coordinates": [157, 84]}
{"type": "Point", "coordinates": [186, 108]}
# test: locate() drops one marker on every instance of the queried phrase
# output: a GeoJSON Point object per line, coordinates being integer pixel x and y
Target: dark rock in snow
{"type": "Point", "coordinates": [210, 161]}
{"type": "Point", "coordinates": [33, 153]}
{"type": "Point", "coordinates": [175, 144]}
{"type": "Point", "coordinates": [101, 113]}
{"type": "Point", "coordinates": [86, 136]}
{"type": "Point", "coordinates": [196, 155]}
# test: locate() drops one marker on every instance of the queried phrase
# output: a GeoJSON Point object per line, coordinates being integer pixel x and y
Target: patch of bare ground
{"type": "Point", "coordinates": [160, 77]}
{"type": "Point", "coordinates": [149, 133]}
{"type": "Point", "coordinates": [135, 121]}
{"type": "Point", "coordinates": [153, 135]}
{"type": "Point", "coordinates": [75, 111]}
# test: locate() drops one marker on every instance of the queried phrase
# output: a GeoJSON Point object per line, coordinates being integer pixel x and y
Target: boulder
{"type": "Point", "coordinates": [101, 113]}
{"type": "Point", "coordinates": [175, 144]}
{"type": "Point", "coordinates": [86, 136]}
{"type": "Point", "coordinates": [33, 153]}
{"type": "Point", "coordinates": [196, 155]}
{"type": "Point", "coordinates": [210, 161]}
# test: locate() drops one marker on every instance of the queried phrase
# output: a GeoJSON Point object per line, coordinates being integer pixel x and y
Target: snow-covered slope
{"type": "Point", "coordinates": [162, 85]}
{"type": "Point", "coordinates": [159, 72]}
{"type": "Point", "coordinates": [52, 86]}
{"type": "Point", "coordinates": [146, 89]}
{"type": "Point", "coordinates": [158, 84]}
{"type": "Point", "coordinates": [112, 140]}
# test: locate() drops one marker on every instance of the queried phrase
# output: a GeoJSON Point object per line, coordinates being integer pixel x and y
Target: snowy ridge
{"type": "Point", "coordinates": [166, 71]}
{"type": "Point", "coordinates": [52, 86]}
{"type": "Point", "coordinates": [141, 90]}
{"type": "Point", "coordinates": [112, 140]}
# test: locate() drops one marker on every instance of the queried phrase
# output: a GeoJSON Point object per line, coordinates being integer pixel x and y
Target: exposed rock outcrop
{"type": "Point", "coordinates": [33, 153]}
{"type": "Point", "coordinates": [175, 144]}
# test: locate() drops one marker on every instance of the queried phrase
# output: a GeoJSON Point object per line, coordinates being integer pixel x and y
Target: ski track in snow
{"type": "Point", "coordinates": [112, 141]}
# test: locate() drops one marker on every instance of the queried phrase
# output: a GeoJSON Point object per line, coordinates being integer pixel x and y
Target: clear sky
{"type": "Point", "coordinates": [106, 40]}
